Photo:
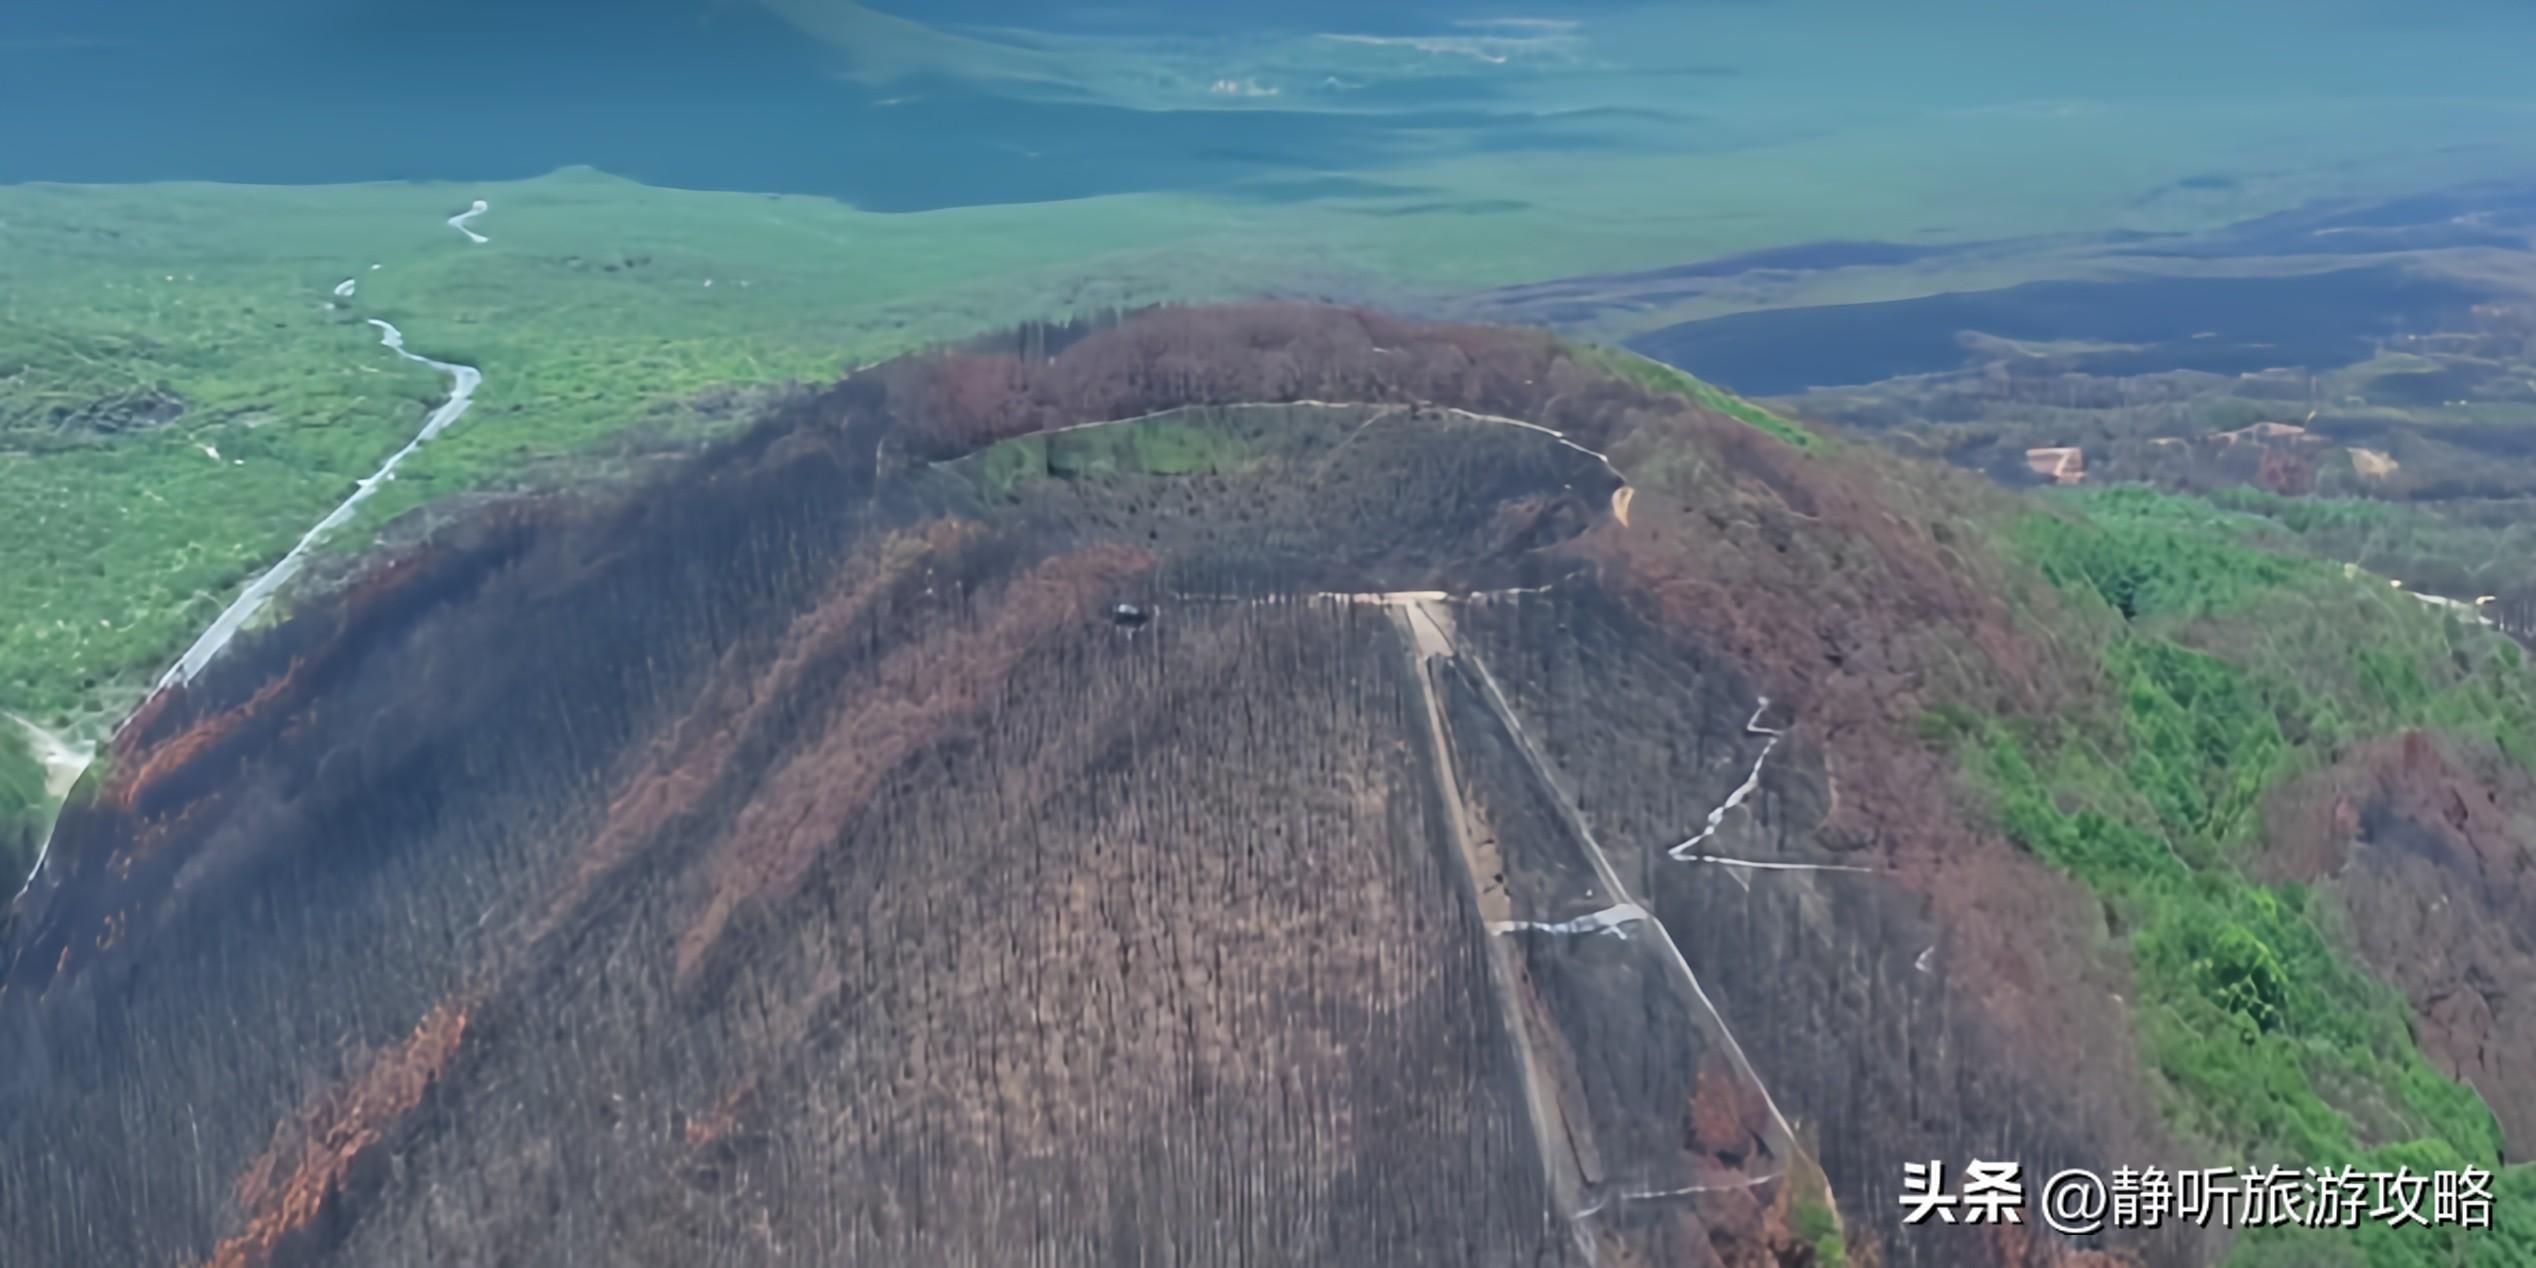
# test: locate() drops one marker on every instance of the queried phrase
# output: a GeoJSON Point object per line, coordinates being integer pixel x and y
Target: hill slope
{"type": "Point", "coordinates": [1521, 815]}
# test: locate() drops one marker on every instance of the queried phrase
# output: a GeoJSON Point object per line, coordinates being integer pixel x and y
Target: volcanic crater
{"type": "Point", "coordinates": [1502, 842]}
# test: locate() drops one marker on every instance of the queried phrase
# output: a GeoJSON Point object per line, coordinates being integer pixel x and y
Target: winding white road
{"type": "Point", "coordinates": [1608, 920]}
{"type": "Point", "coordinates": [463, 382]}
{"type": "Point", "coordinates": [1752, 782]}
{"type": "Point", "coordinates": [1497, 420]}
{"type": "Point", "coordinates": [1430, 627]}
{"type": "Point", "coordinates": [459, 221]}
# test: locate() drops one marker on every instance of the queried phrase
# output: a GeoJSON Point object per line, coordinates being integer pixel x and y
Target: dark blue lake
{"type": "Point", "coordinates": [688, 93]}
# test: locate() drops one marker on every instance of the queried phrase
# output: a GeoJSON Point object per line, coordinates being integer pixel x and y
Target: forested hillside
{"type": "Point", "coordinates": [1277, 785]}
{"type": "Point", "coordinates": [2273, 730]}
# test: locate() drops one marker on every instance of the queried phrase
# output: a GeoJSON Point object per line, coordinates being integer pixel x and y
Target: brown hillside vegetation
{"type": "Point", "coordinates": [2418, 843]}
{"type": "Point", "coordinates": [960, 400]}
{"type": "Point", "coordinates": [803, 860]}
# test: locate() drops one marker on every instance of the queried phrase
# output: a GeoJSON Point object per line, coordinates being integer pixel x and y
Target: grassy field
{"type": "Point", "coordinates": [145, 329]}
{"type": "Point", "coordinates": [1656, 376]}
{"type": "Point", "coordinates": [596, 306]}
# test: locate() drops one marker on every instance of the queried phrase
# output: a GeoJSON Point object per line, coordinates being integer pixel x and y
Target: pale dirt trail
{"type": "Point", "coordinates": [463, 382]}
{"type": "Point", "coordinates": [1610, 876]}
{"type": "Point", "coordinates": [224, 629]}
{"type": "Point", "coordinates": [63, 761]}
{"type": "Point", "coordinates": [459, 221]}
{"type": "Point", "coordinates": [1620, 499]}
{"type": "Point", "coordinates": [1553, 1135]}
{"type": "Point", "coordinates": [1567, 1145]}
{"type": "Point", "coordinates": [1751, 783]}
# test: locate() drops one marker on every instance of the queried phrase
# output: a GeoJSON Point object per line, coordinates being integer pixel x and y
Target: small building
{"type": "Point", "coordinates": [2058, 464]}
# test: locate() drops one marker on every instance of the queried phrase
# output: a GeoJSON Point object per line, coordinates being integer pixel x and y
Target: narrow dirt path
{"type": "Point", "coordinates": [1568, 1148]}
{"type": "Point", "coordinates": [1610, 876]}
{"type": "Point", "coordinates": [1751, 783]}
{"type": "Point", "coordinates": [1553, 1134]}
{"type": "Point", "coordinates": [63, 761]}
{"type": "Point", "coordinates": [1620, 496]}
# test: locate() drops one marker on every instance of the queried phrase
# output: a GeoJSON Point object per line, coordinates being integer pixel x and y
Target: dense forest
{"type": "Point", "coordinates": [2274, 726]}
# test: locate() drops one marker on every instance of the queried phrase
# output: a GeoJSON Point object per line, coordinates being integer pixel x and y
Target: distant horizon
{"type": "Point", "coordinates": [892, 114]}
